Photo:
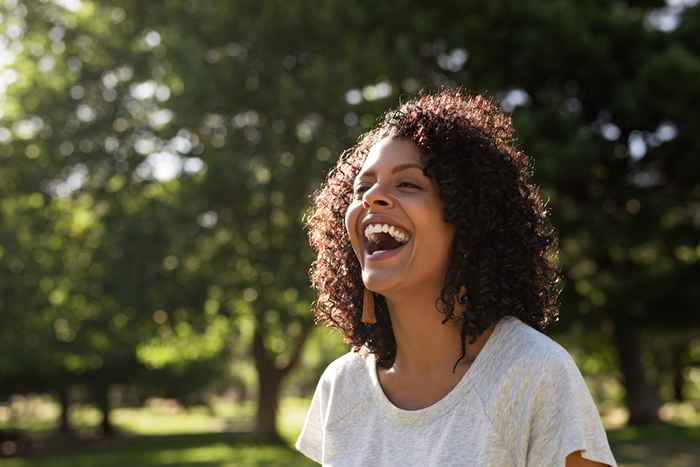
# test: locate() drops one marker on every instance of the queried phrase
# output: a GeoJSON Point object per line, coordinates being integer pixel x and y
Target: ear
{"type": "Point", "coordinates": [458, 307]}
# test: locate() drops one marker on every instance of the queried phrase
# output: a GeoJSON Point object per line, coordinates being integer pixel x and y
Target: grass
{"type": "Point", "coordinates": [160, 434]}
{"type": "Point", "coordinates": [666, 444]}
{"type": "Point", "coordinates": [163, 435]}
{"type": "Point", "coordinates": [184, 450]}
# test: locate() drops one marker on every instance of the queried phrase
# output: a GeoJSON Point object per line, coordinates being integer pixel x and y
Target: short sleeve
{"type": "Point", "coordinates": [310, 440]}
{"type": "Point", "coordinates": [565, 418]}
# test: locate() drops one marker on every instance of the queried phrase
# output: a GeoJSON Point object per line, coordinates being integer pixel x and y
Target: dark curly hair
{"type": "Point", "coordinates": [505, 249]}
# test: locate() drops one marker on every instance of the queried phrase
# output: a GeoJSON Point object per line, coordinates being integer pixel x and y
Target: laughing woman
{"type": "Point", "coordinates": [435, 261]}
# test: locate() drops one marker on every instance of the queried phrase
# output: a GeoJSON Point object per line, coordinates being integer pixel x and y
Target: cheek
{"type": "Point", "coordinates": [450, 236]}
{"type": "Point", "coordinates": [446, 230]}
{"type": "Point", "coordinates": [435, 229]}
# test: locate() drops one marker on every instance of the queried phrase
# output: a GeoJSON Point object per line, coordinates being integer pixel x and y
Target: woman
{"type": "Point", "coordinates": [433, 262]}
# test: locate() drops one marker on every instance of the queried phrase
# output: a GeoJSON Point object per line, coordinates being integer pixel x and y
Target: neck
{"type": "Point", "coordinates": [423, 344]}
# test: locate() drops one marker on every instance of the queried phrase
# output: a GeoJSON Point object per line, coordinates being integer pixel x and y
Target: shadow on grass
{"type": "Point", "coordinates": [194, 450]}
{"type": "Point", "coordinates": [656, 432]}
{"type": "Point", "coordinates": [652, 446]}
{"type": "Point", "coordinates": [656, 445]}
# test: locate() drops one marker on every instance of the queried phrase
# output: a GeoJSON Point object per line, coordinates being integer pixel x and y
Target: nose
{"type": "Point", "coordinates": [375, 197]}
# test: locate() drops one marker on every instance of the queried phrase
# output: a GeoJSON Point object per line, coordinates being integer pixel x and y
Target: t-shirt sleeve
{"type": "Point", "coordinates": [565, 418]}
{"type": "Point", "coordinates": [310, 440]}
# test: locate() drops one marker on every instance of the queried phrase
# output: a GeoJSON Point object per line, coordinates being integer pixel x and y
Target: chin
{"type": "Point", "coordinates": [383, 283]}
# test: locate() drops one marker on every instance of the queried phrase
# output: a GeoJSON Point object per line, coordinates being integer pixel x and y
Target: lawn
{"type": "Point", "coordinates": [167, 436]}
{"type": "Point", "coordinates": [184, 450]}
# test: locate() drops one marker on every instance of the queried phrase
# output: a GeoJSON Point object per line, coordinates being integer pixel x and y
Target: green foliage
{"type": "Point", "coordinates": [157, 159]}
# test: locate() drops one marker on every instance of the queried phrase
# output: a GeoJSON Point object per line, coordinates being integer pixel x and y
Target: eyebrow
{"type": "Point", "coordinates": [397, 168]}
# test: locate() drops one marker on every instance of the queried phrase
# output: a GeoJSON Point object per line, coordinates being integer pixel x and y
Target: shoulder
{"type": "Point", "coordinates": [523, 361]}
{"type": "Point", "coordinates": [345, 385]}
{"type": "Point", "coordinates": [531, 351]}
{"type": "Point", "coordinates": [551, 412]}
{"type": "Point", "coordinates": [344, 368]}
{"type": "Point", "coordinates": [547, 359]}
{"type": "Point", "coordinates": [533, 386]}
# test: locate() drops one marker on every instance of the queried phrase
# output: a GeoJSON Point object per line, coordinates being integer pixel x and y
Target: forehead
{"type": "Point", "coordinates": [389, 153]}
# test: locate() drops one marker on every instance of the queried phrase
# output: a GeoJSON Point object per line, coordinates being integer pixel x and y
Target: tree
{"type": "Point", "coordinates": [248, 104]}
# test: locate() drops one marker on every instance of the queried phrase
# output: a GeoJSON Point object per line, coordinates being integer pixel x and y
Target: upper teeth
{"type": "Point", "coordinates": [395, 232]}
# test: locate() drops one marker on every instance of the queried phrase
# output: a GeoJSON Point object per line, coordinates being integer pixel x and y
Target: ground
{"type": "Point", "coordinates": [164, 435]}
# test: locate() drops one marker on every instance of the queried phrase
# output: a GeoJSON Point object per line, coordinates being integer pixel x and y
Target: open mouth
{"type": "Point", "coordinates": [381, 245]}
{"type": "Point", "coordinates": [384, 254]}
{"type": "Point", "coordinates": [382, 242]}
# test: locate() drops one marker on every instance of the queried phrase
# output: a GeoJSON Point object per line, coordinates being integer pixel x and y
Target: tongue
{"type": "Point", "coordinates": [384, 241]}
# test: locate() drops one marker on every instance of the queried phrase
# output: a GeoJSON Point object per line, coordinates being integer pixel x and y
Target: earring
{"type": "Point", "coordinates": [368, 316]}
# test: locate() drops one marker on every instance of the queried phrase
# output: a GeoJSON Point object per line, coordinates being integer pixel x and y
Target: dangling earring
{"type": "Point", "coordinates": [368, 316]}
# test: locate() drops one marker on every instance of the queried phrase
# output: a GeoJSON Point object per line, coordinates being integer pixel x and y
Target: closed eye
{"type": "Point", "coordinates": [362, 188]}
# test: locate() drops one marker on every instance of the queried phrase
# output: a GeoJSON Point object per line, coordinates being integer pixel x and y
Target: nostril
{"type": "Point", "coordinates": [378, 201]}
{"type": "Point", "coordinates": [370, 199]}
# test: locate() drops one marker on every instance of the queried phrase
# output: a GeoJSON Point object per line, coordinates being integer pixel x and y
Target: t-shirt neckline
{"type": "Point", "coordinates": [440, 407]}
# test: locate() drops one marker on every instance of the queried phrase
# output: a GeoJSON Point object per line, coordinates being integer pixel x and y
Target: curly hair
{"type": "Point", "coordinates": [503, 257]}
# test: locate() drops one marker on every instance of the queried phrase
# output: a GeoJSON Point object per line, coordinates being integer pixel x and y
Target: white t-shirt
{"type": "Point", "coordinates": [522, 403]}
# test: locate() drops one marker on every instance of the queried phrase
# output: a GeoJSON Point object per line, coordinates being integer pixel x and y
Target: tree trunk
{"type": "Point", "coordinates": [268, 404]}
{"type": "Point", "coordinates": [640, 395]}
{"type": "Point", "coordinates": [679, 353]}
{"type": "Point", "coordinates": [270, 378]}
{"type": "Point", "coordinates": [104, 405]}
{"type": "Point", "coordinates": [64, 426]}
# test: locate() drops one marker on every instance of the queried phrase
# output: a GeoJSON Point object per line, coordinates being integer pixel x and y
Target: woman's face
{"type": "Point", "coordinates": [391, 189]}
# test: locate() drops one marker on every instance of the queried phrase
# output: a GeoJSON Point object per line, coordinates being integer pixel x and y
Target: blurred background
{"type": "Point", "coordinates": [156, 159]}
